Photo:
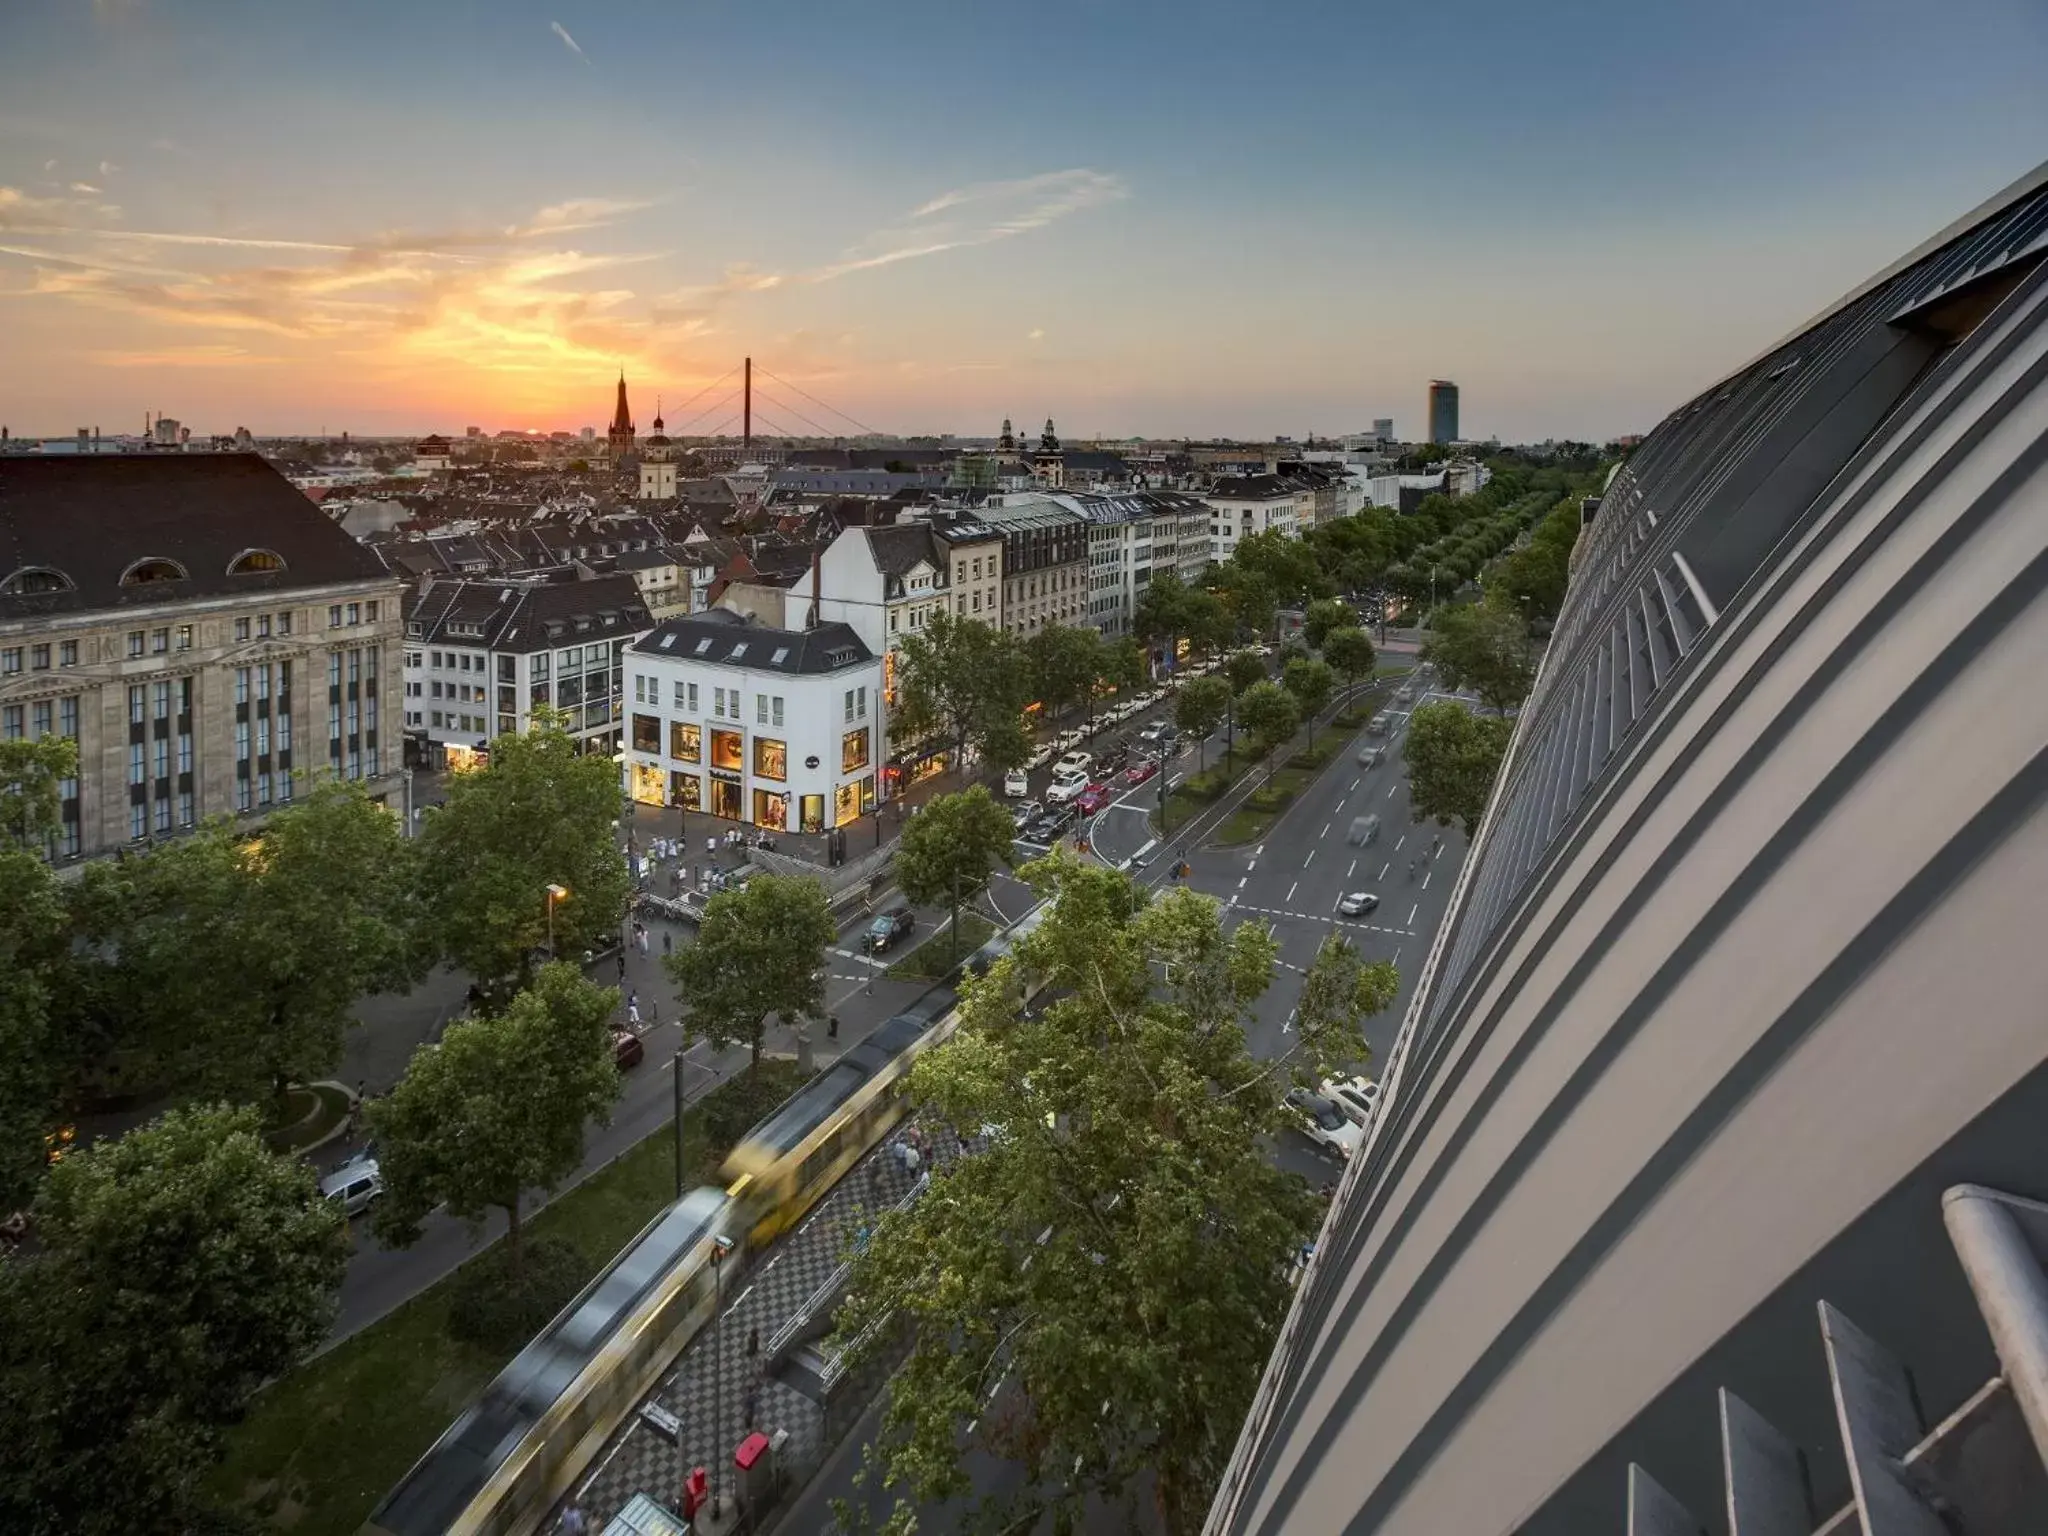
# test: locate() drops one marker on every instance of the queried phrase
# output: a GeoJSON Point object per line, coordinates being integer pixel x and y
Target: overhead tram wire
{"type": "Point", "coordinates": [826, 404]}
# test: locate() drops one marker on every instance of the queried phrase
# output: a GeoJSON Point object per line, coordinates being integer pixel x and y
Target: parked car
{"type": "Point", "coordinates": [1357, 904]}
{"type": "Point", "coordinates": [1047, 828]}
{"type": "Point", "coordinates": [1357, 1097]}
{"type": "Point", "coordinates": [354, 1186]}
{"type": "Point", "coordinates": [1141, 770]}
{"type": "Point", "coordinates": [1064, 791]}
{"type": "Point", "coordinates": [1039, 758]}
{"type": "Point", "coordinates": [627, 1049]}
{"type": "Point", "coordinates": [1026, 813]}
{"type": "Point", "coordinates": [1016, 784]}
{"type": "Point", "coordinates": [887, 928]}
{"type": "Point", "coordinates": [1324, 1123]}
{"type": "Point", "coordinates": [1075, 762]}
{"type": "Point", "coordinates": [1093, 799]}
{"type": "Point", "coordinates": [1111, 763]}
{"type": "Point", "coordinates": [1153, 732]}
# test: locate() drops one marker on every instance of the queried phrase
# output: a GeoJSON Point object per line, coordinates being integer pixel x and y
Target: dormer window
{"type": "Point", "coordinates": [31, 580]}
{"type": "Point", "coordinates": [153, 568]}
{"type": "Point", "coordinates": [252, 561]}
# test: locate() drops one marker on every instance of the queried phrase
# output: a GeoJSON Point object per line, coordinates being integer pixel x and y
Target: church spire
{"type": "Point", "coordinates": [620, 437]}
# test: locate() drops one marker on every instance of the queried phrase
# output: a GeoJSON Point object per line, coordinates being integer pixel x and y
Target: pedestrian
{"type": "Point", "coordinates": [643, 941]}
{"type": "Point", "coordinates": [622, 962]}
{"type": "Point", "coordinates": [752, 1406]}
{"type": "Point", "coordinates": [574, 1521]}
{"type": "Point", "coordinates": [668, 942]}
{"type": "Point", "coordinates": [832, 1027]}
{"type": "Point", "coordinates": [710, 846]}
{"type": "Point", "coordinates": [753, 1340]}
{"type": "Point", "coordinates": [633, 1015]}
{"type": "Point", "coordinates": [632, 997]}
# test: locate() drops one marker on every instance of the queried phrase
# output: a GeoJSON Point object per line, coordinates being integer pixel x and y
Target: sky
{"type": "Point", "coordinates": [923, 216]}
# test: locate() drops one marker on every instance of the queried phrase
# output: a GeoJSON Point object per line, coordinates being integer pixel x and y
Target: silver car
{"type": "Point", "coordinates": [353, 1186]}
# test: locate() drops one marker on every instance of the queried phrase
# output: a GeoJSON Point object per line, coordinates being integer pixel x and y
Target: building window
{"type": "Point", "coordinates": [13, 722]}
{"type": "Point", "coordinates": [760, 709]}
{"type": "Point", "coordinates": [771, 759]}
{"type": "Point", "coordinates": [355, 616]}
{"type": "Point", "coordinates": [241, 629]}
{"type": "Point", "coordinates": [727, 751]}
{"type": "Point", "coordinates": [370, 611]}
{"type": "Point", "coordinates": [853, 750]}
{"type": "Point", "coordinates": [646, 733]}
{"type": "Point", "coordinates": [685, 741]}
{"type": "Point", "coordinates": [849, 707]}
{"type": "Point", "coordinates": [67, 653]}
{"type": "Point", "coordinates": [135, 641]}
{"type": "Point", "coordinates": [284, 627]}
{"type": "Point", "coordinates": [263, 626]}
{"type": "Point", "coordinates": [771, 811]}
{"type": "Point", "coordinates": [10, 661]}
{"type": "Point", "coordinates": [184, 637]}
{"type": "Point", "coordinates": [334, 616]}
{"type": "Point", "coordinates": [861, 703]}
{"type": "Point", "coordinates": [39, 658]}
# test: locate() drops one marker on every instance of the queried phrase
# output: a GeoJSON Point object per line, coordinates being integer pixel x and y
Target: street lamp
{"type": "Point", "coordinates": [720, 1247]}
{"type": "Point", "coordinates": [554, 894]}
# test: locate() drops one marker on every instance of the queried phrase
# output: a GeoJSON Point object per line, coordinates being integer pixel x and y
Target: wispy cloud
{"type": "Point", "coordinates": [1036, 333]}
{"type": "Point", "coordinates": [202, 355]}
{"type": "Point", "coordinates": [85, 187]}
{"type": "Point", "coordinates": [979, 214]}
{"type": "Point", "coordinates": [567, 41]}
{"type": "Point", "coordinates": [107, 167]}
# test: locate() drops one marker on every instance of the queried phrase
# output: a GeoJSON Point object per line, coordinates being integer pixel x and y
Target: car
{"type": "Point", "coordinates": [1358, 1098]}
{"type": "Point", "coordinates": [1093, 799]}
{"type": "Point", "coordinates": [1065, 790]}
{"type": "Point", "coordinates": [1357, 904]}
{"type": "Point", "coordinates": [1074, 762]}
{"type": "Point", "coordinates": [1140, 771]}
{"type": "Point", "coordinates": [1071, 738]}
{"type": "Point", "coordinates": [1154, 732]}
{"type": "Point", "coordinates": [1369, 757]}
{"type": "Point", "coordinates": [887, 928]}
{"type": "Point", "coordinates": [1324, 1123]}
{"type": "Point", "coordinates": [1047, 828]}
{"type": "Point", "coordinates": [354, 1186]}
{"type": "Point", "coordinates": [1111, 763]}
{"type": "Point", "coordinates": [1364, 830]}
{"type": "Point", "coordinates": [1039, 758]}
{"type": "Point", "coordinates": [627, 1051]}
{"type": "Point", "coordinates": [1016, 784]}
{"type": "Point", "coordinates": [1026, 813]}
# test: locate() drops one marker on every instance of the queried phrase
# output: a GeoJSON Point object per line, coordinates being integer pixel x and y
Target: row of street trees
{"type": "Point", "coordinates": [180, 1266]}
{"type": "Point", "coordinates": [1116, 1257]}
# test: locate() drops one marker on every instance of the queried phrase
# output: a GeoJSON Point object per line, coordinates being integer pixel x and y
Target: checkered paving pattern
{"type": "Point", "coordinates": [640, 1459]}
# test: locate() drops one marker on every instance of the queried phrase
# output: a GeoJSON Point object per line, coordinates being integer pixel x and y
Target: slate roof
{"type": "Point", "coordinates": [722, 638]}
{"type": "Point", "coordinates": [91, 518]}
{"type": "Point", "coordinates": [527, 616]}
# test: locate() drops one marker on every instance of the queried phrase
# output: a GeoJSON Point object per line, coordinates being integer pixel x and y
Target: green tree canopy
{"type": "Point", "coordinates": [1349, 649]}
{"type": "Point", "coordinates": [35, 1056]}
{"type": "Point", "coordinates": [1125, 666]}
{"type": "Point", "coordinates": [182, 1266]}
{"type": "Point", "coordinates": [1244, 669]}
{"type": "Point", "coordinates": [1162, 610]}
{"type": "Point", "coordinates": [232, 965]}
{"type": "Point", "coordinates": [950, 848]}
{"type": "Point", "coordinates": [1199, 708]}
{"type": "Point", "coordinates": [1484, 649]}
{"type": "Point", "coordinates": [542, 813]}
{"type": "Point", "coordinates": [1205, 621]}
{"type": "Point", "coordinates": [1064, 660]}
{"type": "Point", "coordinates": [1123, 1241]}
{"type": "Point", "coordinates": [759, 950]}
{"type": "Point", "coordinates": [1270, 714]}
{"type": "Point", "coordinates": [1322, 616]}
{"type": "Point", "coordinates": [1311, 682]}
{"type": "Point", "coordinates": [30, 772]}
{"type": "Point", "coordinates": [499, 1107]}
{"type": "Point", "coordinates": [966, 681]}
{"type": "Point", "coordinates": [1453, 758]}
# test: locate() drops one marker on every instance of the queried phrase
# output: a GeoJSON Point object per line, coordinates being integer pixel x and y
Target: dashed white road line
{"type": "Point", "coordinates": [1411, 913]}
{"type": "Point", "coordinates": [1399, 841]}
{"type": "Point", "coordinates": [1390, 790]}
{"type": "Point", "coordinates": [1385, 867]}
{"type": "Point", "coordinates": [1352, 870]}
{"type": "Point", "coordinates": [1425, 878]}
{"type": "Point", "coordinates": [1310, 859]}
{"type": "Point", "coordinates": [1354, 785]}
{"type": "Point", "coordinates": [1326, 830]}
{"type": "Point", "coordinates": [1241, 880]}
{"type": "Point", "coordinates": [1291, 890]}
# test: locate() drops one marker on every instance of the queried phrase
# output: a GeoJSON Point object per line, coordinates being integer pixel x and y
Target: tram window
{"type": "Point", "coordinates": [820, 1162]}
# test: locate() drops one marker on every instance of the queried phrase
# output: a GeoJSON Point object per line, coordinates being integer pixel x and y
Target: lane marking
{"type": "Point", "coordinates": [1399, 841]}
{"type": "Point", "coordinates": [1241, 880]}
{"type": "Point", "coordinates": [1326, 830]}
{"type": "Point", "coordinates": [1310, 859]}
{"type": "Point", "coordinates": [1411, 913]}
{"type": "Point", "coordinates": [1352, 870]}
{"type": "Point", "coordinates": [1385, 867]}
{"type": "Point", "coordinates": [1354, 785]}
{"type": "Point", "coordinates": [1397, 954]}
{"type": "Point", "coordinates": [1390, 790]}
{"type": "Point", "coordinates": [1425, 878]}
{"type": "Point", "coordinates": [1291, 890]}
{"type": "Point", "coordinates": [1258, 850]}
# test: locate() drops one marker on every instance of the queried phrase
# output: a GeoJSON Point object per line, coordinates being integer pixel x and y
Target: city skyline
{"type": "Point", "coordinates": [437, 219]}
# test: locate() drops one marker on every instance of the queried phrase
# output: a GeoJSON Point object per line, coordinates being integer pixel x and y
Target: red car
{"type": "Point", "coordinates": [1093, 798]}
{"type": "Point", "coordinates": [1140, 771]}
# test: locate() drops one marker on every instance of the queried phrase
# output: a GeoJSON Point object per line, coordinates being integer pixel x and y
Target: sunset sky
{"type": "Point", "coordinates": [1185, 219]}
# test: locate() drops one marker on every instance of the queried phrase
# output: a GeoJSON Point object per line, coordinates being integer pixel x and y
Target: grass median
{"type": "Point", "coordinates": [321, 1446]}
{"type": "Point", "coordinates": [938, 954]}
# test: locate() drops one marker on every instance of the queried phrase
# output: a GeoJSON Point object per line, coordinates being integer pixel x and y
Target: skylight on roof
{"type": "Point", "coordinates": [668, 642]}
{"type": "Point", "coordinates": [739, 650]}
{"type": "Point", "coordinates": [781, 655]}
{"type": "Point", "coordinates": [703, 645]}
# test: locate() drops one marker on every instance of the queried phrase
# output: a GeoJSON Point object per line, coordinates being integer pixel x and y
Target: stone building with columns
{"type": "Point", "coordinates": [210, 639]}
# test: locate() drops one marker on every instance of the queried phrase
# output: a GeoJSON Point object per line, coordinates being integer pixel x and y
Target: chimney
{"type": "Point", "coordinates": [817, 578]}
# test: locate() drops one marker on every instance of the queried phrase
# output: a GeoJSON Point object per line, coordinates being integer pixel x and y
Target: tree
{"type": "Point", "coordinates": [950, 848]}
{"type": "Point", "coordinates": [759, 950]}
{"type": "Point", "coordinates": [30, 772]}
{"type": "Point", "coordinates": [968, 681]}
{"type": "Point", "coordinates": [1244, 669]}
{"type": "Point", "coordinates": [1453, 758]}
{"type": "Point", "coordinates": [234, 965]}
{"type": "Point", "coordinates": [1199, 709]}
{"type": "Point", "coordinates": [1484, 649]}
{"type": "Point", "coordinates": [1349, 650]}
{"type": "Point", "coordinates": [543, 813]}
{"type": "Point", "coordinates": [497, 1108]}
{"type": "Point", "coordinates": [1205, 621]}
{"type": "Point", "coordinates": [1271, 714]}
{"type": "Point", "coordinates": [1324, 615]}
{"type": "Point", "coordinates": [34, 938]}
{"type": "Point", "coordinates": [1248, 597]}
{"type": "Point", "coordinates": [1064, 660]}
{"type": "Point", "coordinates": [182, 1266]}
{"type": "Point", "coordinates": [1162, 612]}
{"type": "Point", "coordinates": [1311, 682]}
{"type": "Point", "coordinates": [1125, 666]}
{"type": "Point", "coordinates": [1118, 1252]}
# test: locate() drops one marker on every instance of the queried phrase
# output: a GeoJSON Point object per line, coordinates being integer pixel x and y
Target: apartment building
{"type": "Point", "coordinates": [482, 656]}
{"type": "Point", "coordinates": [209, 639]}
{"type": "Point", "coordinates": [1045, 561]}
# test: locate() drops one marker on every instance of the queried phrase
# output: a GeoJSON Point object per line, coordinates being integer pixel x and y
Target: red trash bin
{"type": "Point", "coordinates": [696, 1489]}
{"type": "Point", "coordinates": [752, 1460]}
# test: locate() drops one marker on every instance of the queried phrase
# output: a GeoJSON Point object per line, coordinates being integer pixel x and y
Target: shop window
{"type": "Point", "coordinates": [646, 733]}
{"type": "Point", "coordinates": [813, 813]}
{"type": "Point", "coordinates": [647, 784]}
{"type": "Point", "coordinates": [685, 742]}
{"type": "Point", "coordinates": [686, 791]}
{"type": "Point", "coordinates": [726, 800]}
{"type": "Point", "coordinates": [726, 751]}
{"type": "Point", "coordinates": [771, 811]}
{"type": "Point", "coordinates": [853, 750]}
{"type": "Point", "coordinates": [771, 759]}
{"type": "Point", "coordinates": [845, 804]}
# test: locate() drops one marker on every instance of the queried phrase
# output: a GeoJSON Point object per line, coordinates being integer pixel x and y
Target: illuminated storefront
{"type": "Point", "coordinates": [771, 811]}
{"type": "Point", "coordinates": [686, 791]}
{"type": "Point", "coordinates": [644, 783]}
{"type": "Point", "coordinates": [813, 813]}
{"type": "Point", "coordinates": [851, 800]}
{"type": "Point", "coordinates": [728, 798]}
{"type": "Point", "coordinates": [462, 759]}
{"type": "Point", "coordinates": [685, 742]}
{"type": "Point", "coordinates": [728, 752]}
{"type": "Point", "coordinates": [771, 759]}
